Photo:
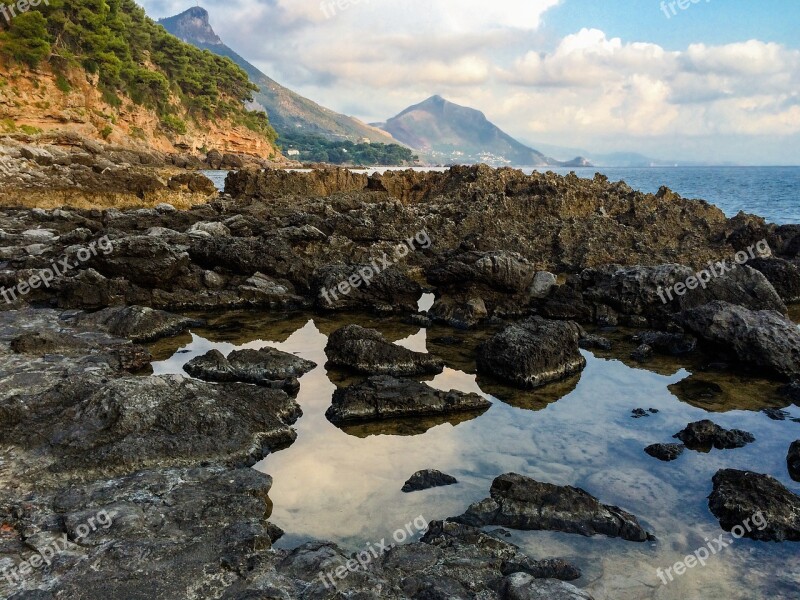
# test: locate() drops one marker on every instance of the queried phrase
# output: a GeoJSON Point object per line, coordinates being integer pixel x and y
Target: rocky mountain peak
{"type": "Point", "coordinates": [192, 26]}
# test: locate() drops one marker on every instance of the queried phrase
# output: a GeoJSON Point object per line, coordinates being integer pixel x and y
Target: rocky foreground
{"type": "Point", "coordinates": [539, 258]}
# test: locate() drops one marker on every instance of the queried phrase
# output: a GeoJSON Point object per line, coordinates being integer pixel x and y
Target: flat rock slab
{"type": "Point", "coordinates": [532, 353]}
{"type": "Point", "coordinates": [426, 479]}
{"type": "Point", "coordinates": [740, 498]}
{"type": "Point", "coordinates": [704, 435]}
{"type": "Point", "coordinates": [136, 323]}
{"type": "Point", "coordinates": [383, 397]}
{"type": "Point", "coordinates": [520, 502]}
{"type": "Point", "coordinates": [665, 452]}
{"type": "Point", "coordinates": [267, 366]}
{"type": "Point", "coordinates": [367, 351]}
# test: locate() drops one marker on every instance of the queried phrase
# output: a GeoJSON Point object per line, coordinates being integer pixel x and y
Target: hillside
{"type": "Point", "coordinates": [103, 69]}
{"type": "Point", "coordinates": [447, 132]}
{"type": "Point", "coordinates": [289, 112]}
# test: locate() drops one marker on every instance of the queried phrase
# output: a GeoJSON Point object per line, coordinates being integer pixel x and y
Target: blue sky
{"type": "Point", "coordinates": [711, 22]}
{"type": "Point", "coordinates": [716, 82]}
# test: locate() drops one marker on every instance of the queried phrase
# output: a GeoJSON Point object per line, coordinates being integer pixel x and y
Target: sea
{"type": "Point", "coordinates": [769, 192]}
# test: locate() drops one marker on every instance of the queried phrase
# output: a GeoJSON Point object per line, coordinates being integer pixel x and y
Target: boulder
{"type": "Point", "coordinates": [136, 323]}
{"type": "Point", "coordinates": [532, 353]}
{"type": "Point", "coordinates": [367, 351]}
{"type": "Point", "coordinates": [461, 314]}
{"type": "Point", "coordinates": [665, 452]}
{"type": "Point", "coordinates": [267, 366]}
{"type": "Point", "coordinates": [358, 286]}
{"type": "Point", "coordinates": [426, 479]}
{"type": "Point", "coordinates": [385, 397]}
{"type": "Point", "coordinates": [757, 506]}
{"type": "Point", "coordinates": [782, 274]}
{"type": "Point", "coordinates": [523, 503]}
{"type": "Point", "coordinates": [704, 435]}
{"type": "Point", "coordinates": [762, 338]}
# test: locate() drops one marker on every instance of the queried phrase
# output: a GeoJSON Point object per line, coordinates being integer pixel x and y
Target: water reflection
{"type": "Point", "coordinates": [344, 484]}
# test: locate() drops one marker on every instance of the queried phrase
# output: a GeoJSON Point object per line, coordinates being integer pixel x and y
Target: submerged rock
{"type": "Point", "coordinates": [367, 351]}
{"type": "Point", "coordinates": [757, 504]}
{"type": "Point", "coordinates": [532, 353]}
{"type": "Point", "coordinates": [673, 344]}
{"type": "Point", "coordinates": [704, 435]}
{"type": "Point", "coordinates": [665, 452]}
{"type": "Point", "coordinates": [757, 338]}
{"type": "Point", "coordinates": [426, 479]}
{"type": "Point", "coordinates": [520, 502]}
{"type": "Point", "coordinates": [793, 460]}
{"type": "Point", "coordinates": [385, 397]}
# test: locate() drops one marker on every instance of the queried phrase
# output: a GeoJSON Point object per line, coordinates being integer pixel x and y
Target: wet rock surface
{"type": "Point", "coordinates": [739, 496]}
{"type": "Point", "coordinates": [385, 397]}
{"type": "Point", "coordinates": [520, 502]}
{"type": "Point", "coordinates": [427, 479]}
{"type": "Point", "coordinates": [793, 460]}
{"type": "Point", "coordinates": [665, 452]}
{"type": "Point", "coordinates": [266, 367]}
{"type": "Point", "coordinates": [532, 353]}
{"type": "Point", "coordinates": [704, 435]}
{"type": "Point", "coordinates": [137, 323]}
{"type": "Point", "coordinates": [367, 351]}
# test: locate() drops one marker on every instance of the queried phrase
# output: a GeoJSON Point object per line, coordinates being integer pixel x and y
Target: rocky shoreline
{"type": "Point", "coordinates": [543, 260]}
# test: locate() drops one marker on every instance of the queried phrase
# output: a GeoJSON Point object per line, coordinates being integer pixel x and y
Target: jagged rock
{"type": "Point", "coordinates": [347, 287]}
{"type": "Point", "coordinates": [532, 353]}
{"type": "Point", "coordinates": [665, 452]}
{"type": "Point", "coordinates": [757, 338]}
{"type": "Point", "coordinates": [137, 323]}
{"type": "Point", "coordinates": [591, 341]}
{"type": "Point", "coordinates": [367, 351]}
{"type": "Point", "coordinates": [209, 229]}
{"type": "Point", "coordinates": [384, 397]}
{"type": "Point", "coordinates": [269, 184]}
{"type": "Point", "coordinates": [704, 435]}
{"type": "Point", "coordinates": [458, 314]}
{"type": "Point", "coordinates": [674, 344]}
{"type": "Point", "coordinates": [426, 479]}
{"type": "Point", "coordinates": [542, 284]}
{"type": "Point", "coordinates": [142, 260]}
{"type": "Point", "coordinates": [501, 270]}
{"type": "Point", "coordinates": [267, 366]}
{"type": "Point", "coordinates": [793, 460]}
{"type": "Point", "coordinates": [782, 274]}
{"type": "Point", "coordinates": [772, 511]}
{"type": "Point", "coordinates": [520, 502]}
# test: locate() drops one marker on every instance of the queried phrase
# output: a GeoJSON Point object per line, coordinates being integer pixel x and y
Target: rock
{"type": "Point", "coordinates": [594, 342]}
{"type": "Point", "coordinates": [793, 460]}
{"type": "Point", "coordinates": [429, 478]}
{"type": "Point", "coordinates": [459, 314]}
{"type": "Point", "coordinates": [704, 435]}
{"type": "Point", "coordinates": [193, 182]}
{"type": "Point", "coordinates": [532, 353]}
{"type": "Point", "coordinates": [643, 353]}
{"type": "Point", "coordinates": [142, 260]}
{"type": "Point", "coordinates": [757, 338]}
{"type": "Point", "coordinates": [638, 413]}
{"type": "Point", "coordinates": [673, 344]}
{"type": "Point", "coordinates": [367, 351]}
{"type": "Point", "coordinates": [165, 208]}
{"type": "Point", "coordinates": [776, 414]}
{"type": "Point", "coordinates": [542, 285]}
{"type": "Point", "coordinates": [385, 397]}
{"type": "Point", "coordinates": [38, 236]}
{"type": "Point", "coordinates": [501, 270]}
{"type": "Point", "coordinates": [758, 505]}
{"type": "Point", "coordinates": [665, 452]}
{"type": "Point", "coordinates": [782, 274]}
{"type": "Point", "coordinates": [792, 392]}
{"type": "Point", "coordinates": [520, 502]}
{"type": "Point", "coordinates": [209, 229]}
{"type": "Point", "coordinates": [267, 366]}
{"type": "Point", "coordinates": [137, 323]}
{"type": "Point", "coordinates": [347, 287]}
{"type": "Point", "coordinates": [521, 586]}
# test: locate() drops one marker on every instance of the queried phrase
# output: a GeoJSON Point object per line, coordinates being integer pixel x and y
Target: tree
{"type": "Point", "coordinates": [26, 41]}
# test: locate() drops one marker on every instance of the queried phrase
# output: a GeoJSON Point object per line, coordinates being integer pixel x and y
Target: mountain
{"type": "Point", "coordinates": [112, 74]}
{"type": "Point", "coordinates": [289, 112]}
{"type": "Point", "coordinates": [446, 132]}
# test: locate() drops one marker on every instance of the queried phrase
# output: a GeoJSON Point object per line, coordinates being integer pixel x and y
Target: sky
{"type": "Point", "coordinates": [715, 81]}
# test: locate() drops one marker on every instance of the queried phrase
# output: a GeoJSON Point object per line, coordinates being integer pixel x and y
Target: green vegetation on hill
{"type": "Point", "coordinates": [314, 148]}
{"type": "Point", "coordinates": [134, 56]}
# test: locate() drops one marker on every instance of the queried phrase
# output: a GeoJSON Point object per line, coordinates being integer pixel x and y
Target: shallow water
{"type": "Point", "coordinates": [344, 485]}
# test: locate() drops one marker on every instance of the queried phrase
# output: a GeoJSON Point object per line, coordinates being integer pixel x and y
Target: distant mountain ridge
{"type": "Point", "coordinates": [288, 111]}
{"type": "Point", "coordinates": [447, 132]}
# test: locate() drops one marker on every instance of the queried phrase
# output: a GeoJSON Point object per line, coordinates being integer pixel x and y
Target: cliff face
{"type": "Point", "coordinates": [34, 101]}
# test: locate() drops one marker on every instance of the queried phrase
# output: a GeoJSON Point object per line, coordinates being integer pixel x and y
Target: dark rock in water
{"type": "Point", "coordinates": [771, 511]}
{"type": "Point", "coordinates": [367, 351]}
{"type": "Point", "coordinates": [782, 274]}
{"type": "Point", "coordinates": [665, 452]}
{"type": "Point", "coordinates": [532, 353]}
{"type": "Point", "coordinates": [704, 435]}
{"type": "Point", "coordinates": [638, 413]}
{"type": "Point", "coordinates": [419, 320]}
{"type": "Point", "coordinates": [520, 502]}
{"type": "Point", "coordinates": [792, 392]}
{"type": "Point", "coordinates": [643, 353]}
{"type": "Point", "coordinates": [137, 323]}
{"type": "Point", "coordinates": [429, 478]}
{"type": "Point", "coordinates": [385, 397]}
{"type": "Point", "coordinates": [674, 344]}
{"type": "Point", "coordinates": [461, 314]}
{"type": "Point", "coordinates": [594, 342]}
{"type": "Point", "coordinates": [385, 291]}
{"type": "Point", "coordinates": [793, 460]}
{"type": "Point", "coordinates": [449, 534]}
{"type": "Point", "coordinates": [776, 414]}
{"type": "Point", "coordinates": [266, 367]}
{"type": "Point", "coordinates": [757, 338]}
{"type": "Point", "coordinates": [447, 340]}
